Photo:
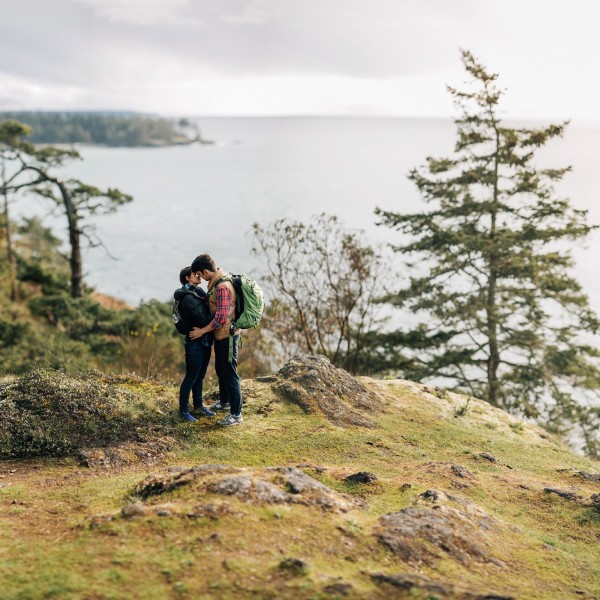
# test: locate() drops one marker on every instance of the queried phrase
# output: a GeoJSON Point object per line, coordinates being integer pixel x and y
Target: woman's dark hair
{"type": "Point", "coordinates": [184, 274]}
{"type": "Point", "coordinates": [204, 261]}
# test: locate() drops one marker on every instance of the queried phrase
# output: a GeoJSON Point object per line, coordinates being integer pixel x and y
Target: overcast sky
{"type": "Point", "coordinates": [296, 57]}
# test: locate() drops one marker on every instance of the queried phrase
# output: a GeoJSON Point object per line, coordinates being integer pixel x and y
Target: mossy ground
{"type": "Point", "coordinates": [54, 542]}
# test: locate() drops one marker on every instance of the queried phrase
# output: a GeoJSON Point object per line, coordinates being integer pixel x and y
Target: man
{"type": "Point", "coordinates": [221, 300]}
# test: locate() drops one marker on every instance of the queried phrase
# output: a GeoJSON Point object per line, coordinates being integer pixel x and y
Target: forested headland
{"type": "Point", "coordinates": [117, 129]}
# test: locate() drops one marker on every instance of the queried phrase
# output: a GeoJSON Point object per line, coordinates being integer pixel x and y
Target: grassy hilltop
{"type": "Point", "coordinates": [333, 488]}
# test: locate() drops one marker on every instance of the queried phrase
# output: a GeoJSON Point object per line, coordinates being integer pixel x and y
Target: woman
{"type": "Point", "coordinates": [192, 306]}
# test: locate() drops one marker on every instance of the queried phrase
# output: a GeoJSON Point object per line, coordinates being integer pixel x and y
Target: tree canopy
{"type": "Point", "coordinates": [500, 315]}
{"type": "Point", "coordinates": [324, 281]}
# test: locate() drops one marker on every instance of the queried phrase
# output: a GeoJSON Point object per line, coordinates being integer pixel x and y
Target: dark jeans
{"type": "Point", "coordinates": [197, 357]}
{"type": "Point", "coordinates": [230, 391]}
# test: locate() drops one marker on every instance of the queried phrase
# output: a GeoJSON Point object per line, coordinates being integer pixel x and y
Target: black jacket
{"type": "Point", "coordinates": [193, 306]}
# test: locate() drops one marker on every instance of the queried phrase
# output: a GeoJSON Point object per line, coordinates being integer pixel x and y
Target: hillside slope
{"type": "Point", "coordinates": [333, 487]}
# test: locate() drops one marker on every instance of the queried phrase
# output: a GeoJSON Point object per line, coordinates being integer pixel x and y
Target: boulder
{"type": "Point", "coordinates": [318, 387]}
{"type": "Point", "coordinates": [361, 477]}
{"type": "Point", "coordinates": [435, 528]}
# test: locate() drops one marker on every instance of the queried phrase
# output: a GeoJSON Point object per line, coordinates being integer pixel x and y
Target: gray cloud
{"type": "Point", "coordinates": [71, 41]}
{"type": "Point", "coordinates": [124, 53]}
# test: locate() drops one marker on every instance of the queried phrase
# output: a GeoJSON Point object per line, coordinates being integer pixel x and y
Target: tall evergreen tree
{"type": "Point", "coordinates": [502, 318]}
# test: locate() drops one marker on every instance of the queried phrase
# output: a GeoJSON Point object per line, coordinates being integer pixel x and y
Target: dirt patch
{"type": "Point", "coordinates": [589, 477]}
{"type": "Point", "coordinates": [210, 510]}
{"type": "Point", "coordinates": [595, 477]}
{"type": "Point", "coordinates": [110, 302]}
{"type": "Point", "coordinates": [275, 485]}
{"type": "Point", "coordinates": [132, 453]}
{"type": "Point", "coordinates": [316, 386]}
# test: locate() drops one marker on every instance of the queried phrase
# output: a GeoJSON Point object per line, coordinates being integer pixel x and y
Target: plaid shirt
{"type": "Point", "coordinates": [223, 297]}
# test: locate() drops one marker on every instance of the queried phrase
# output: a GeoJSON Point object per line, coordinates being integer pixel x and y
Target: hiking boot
{"type": "Point", "coordinates": [203, 411]}
{"type": "Point", "coordinates": [219, 406]}
{"type": "Point", "coordinates": [230, 420]}
{"type": "Point", "coordinates": [187, 417]}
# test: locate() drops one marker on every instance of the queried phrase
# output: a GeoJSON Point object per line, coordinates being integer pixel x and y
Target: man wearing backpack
{"type": "Point", "coordinates": [221, 300]}
{"type": "Point", "coordinates": [192, 310]}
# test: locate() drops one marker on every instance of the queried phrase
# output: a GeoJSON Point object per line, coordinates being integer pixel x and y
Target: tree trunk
{"type": "Point", "coordinates": [492, 333]}
{"type": "Point", "coordinates": [75, 242]}
{"type": "Point", "coordinates": [75, 262]}
{"type": "Point", "coordinates": [492, 317]}
{"type": "Point", "coordinates": [10, 254]}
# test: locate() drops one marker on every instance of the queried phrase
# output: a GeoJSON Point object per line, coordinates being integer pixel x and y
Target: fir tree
{"type": "Point", "coordinates": [502, 318]}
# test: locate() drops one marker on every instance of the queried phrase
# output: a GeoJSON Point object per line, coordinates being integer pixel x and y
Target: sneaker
{"type": "Point", "coordinates": [219, 407]}
{"type": "Point", "coordinates": [230, 420]}
{"type": "Point", "coordinates": [204, 412]}
{"type": "Point", "coordinates": [187, 417]}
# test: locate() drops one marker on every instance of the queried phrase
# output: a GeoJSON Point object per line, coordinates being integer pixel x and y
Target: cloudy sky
{"type": "Point", "coordinates": [296, 57]}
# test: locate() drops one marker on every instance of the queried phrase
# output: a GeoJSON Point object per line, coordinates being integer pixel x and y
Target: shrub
{"type": "Point", "coordinates": [50, 413]}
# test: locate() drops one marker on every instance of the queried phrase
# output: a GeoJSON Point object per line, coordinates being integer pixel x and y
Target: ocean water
{"type": "Point", "coordinates": [194, 199]}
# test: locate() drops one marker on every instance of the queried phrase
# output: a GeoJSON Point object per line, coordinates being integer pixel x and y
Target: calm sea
{"type": "Point", "coordinates": [194, 199]}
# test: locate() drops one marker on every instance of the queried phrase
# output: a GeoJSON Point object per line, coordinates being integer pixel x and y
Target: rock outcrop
{"type": "Point", "coordinates": [316, 386]}
{"type": "Point", "coordinates": [439, 525]}
{"type": "Point", "coordinates": [411, 581]}
{"type": "Point", "coordinates": [274, 485]}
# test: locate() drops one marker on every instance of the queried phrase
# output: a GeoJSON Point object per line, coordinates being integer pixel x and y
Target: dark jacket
{"type": "Point", "coordinates": [193, 308]}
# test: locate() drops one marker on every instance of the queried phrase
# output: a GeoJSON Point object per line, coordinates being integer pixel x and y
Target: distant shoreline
{"type": "Point", "coordinates": [112, 130]}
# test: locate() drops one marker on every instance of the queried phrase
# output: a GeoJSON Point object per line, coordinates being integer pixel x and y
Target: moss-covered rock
{"type": "Point", "coordinates": [318, 387]}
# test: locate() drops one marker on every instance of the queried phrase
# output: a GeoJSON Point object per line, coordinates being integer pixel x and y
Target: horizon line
{"type": "Point", "coordinates": [284, 115]}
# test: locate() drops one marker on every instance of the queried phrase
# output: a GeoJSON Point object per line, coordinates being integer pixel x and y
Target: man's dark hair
{"type": "Point", "coordinates": [185, 272]}
{"type": "Point", "coordinates": [204, 261]}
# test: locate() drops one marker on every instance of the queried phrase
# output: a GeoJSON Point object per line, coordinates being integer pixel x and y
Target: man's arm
{"type": "Point", "coordinates": [223, 296]}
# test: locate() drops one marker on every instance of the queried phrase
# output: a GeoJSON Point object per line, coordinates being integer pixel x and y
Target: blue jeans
{"type": "Point", "coordinates": [197, 357]}
{"type": "Point", "coordinates": [230, 390]}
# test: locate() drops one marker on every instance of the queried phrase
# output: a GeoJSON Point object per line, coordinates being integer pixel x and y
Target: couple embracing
{"type": "Point", "coordinates": [208, 319]}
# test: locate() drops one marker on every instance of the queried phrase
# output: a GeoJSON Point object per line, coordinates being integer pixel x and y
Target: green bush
{"type": "Point", "coordinates": [51, 413]}
{"type": "Point", "coordinates": [40, 347]}
{"type": "Point", "coordinates": [78, 317]}
{"type": "Point", "coordinates": [11, 332]}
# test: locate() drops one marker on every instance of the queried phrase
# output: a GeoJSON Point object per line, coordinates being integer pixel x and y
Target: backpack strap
{"type": "Point", "coordinates": [230, 353]}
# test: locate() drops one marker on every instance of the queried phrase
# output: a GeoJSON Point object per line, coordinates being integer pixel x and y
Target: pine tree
{"type": "Point", "coordinates": [501, 317]}
{"type": "Point", "coordinates": [33, 168]}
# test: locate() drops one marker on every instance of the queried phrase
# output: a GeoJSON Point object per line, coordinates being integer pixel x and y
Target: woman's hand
{"type": "Point", "coordinates": [196, 333]}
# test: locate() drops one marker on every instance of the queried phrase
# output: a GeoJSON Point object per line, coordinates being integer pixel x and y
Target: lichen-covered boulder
{"type": "Point", "coordinates": [318, 387]}
{"type": "Point", "coordinates": [440, 525]}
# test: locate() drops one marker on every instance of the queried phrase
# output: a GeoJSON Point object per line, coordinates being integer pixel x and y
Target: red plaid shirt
{"type": "Point", "coordinates": [223, 297]}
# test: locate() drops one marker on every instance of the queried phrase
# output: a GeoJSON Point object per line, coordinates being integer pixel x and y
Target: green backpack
{"type": "Point", "coordinates": [249, 302]}
{"type": "Point", "coordinates": [249, 305]}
